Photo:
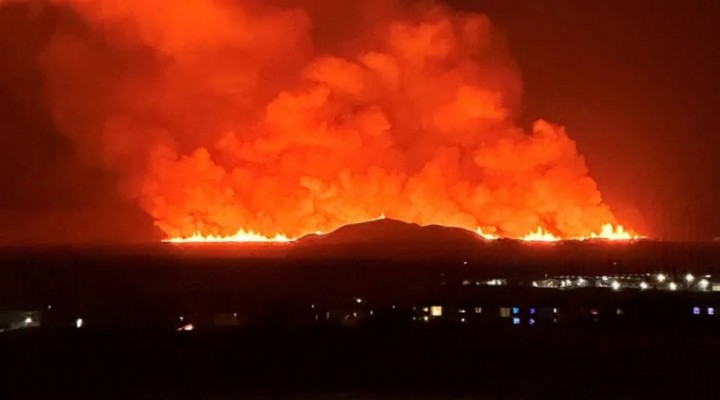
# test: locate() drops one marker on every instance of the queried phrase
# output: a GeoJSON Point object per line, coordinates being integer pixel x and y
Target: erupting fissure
{"type": "Point", "coordinates": [608, 232]}
{"type": "Point", "coordinates": [248, 120]}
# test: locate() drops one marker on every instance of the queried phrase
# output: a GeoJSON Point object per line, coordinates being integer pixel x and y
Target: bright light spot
{"type": "Point", "coordinates": [312, 306]}
{"type": "Point", "coordinates": [516, 321]}
{"type": "Point", "coordinates": [532, 321]}
{"type": "Point", "coordinates": [696, 310]}
{"type": "Point", "coordinates": [616, 285]}
{"type": "Point", "coordinates": [689, 278]}
{"type": "Point", "coordinates": [711, 311]}
{"type": "Point", "coordinates": [464, 262]}
{"type": "Point", "coordinates": [703, 284]}
{"type": "Point", "coordinates": [532, 311]}
{"type": "Point", "coordinates": [28, 320]}
{"type": "Point", "coordinates": [79, 323]}
{"type": "Point", "coordinates": [673, 286]}
{"type": "Point", "coordinates": [478, 310]}
{"type": "Point", "coordinates": [426, 319]}
{"type": "Point", "coordinates": [604, 278]}
{"type": "Point", "coordinates": [186, 328]}
{"type": "Point", "coordinates": [643, 285]}
{"type": "Point", "coordinates": [49, 306]}
{"type": "Point", "coordinates": [182, 318]}
{"type": "Point", "coordinates": [234, 315]}
{"type": "Point", "coordinates": [358, 300]}
{"type": "Point", "coordinates": [555, 310]}
{"type": "Point", "coordinates": [354, 315]}
{"type": "Point", "coordinates": [661, 278]}
{"type": "Point", "coordinates": [462, 320]}
{"type": "Point", "coordinates": [516, 310]}
{"type": "Point", "coordinates": [436, 311]}
{"type": "Point", "coordinates": [461, 311]}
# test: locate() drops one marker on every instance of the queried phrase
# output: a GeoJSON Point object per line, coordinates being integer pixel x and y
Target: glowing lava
{"type": "Point", "coordinates": [241, 236]}
{"type": "Point", "coordinates": [608, 232]}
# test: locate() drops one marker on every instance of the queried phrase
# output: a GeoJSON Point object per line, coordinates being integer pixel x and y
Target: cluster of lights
{"type": "Point", "coordinates": [661, 281]}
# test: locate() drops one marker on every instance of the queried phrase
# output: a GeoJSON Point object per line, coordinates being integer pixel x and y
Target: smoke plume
{"type": "Point", "coordinates": [293, 116]}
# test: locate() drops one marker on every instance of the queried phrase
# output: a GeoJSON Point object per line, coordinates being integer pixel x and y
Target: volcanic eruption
{"type": "Point", "coordinates": [270, 120]}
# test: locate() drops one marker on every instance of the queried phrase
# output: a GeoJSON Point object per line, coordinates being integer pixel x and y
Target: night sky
{"type": "Point", "coordinates": [635, 83]}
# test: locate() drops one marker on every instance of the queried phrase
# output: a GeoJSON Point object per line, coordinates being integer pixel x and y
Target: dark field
{"type": "Point", "coordinates": [130, 300]}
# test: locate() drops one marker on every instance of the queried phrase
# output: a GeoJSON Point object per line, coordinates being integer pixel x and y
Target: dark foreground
{"type": "Point", "coordinates": [284, 327]}
{"type": "Point", "coordinates": [588, 363]}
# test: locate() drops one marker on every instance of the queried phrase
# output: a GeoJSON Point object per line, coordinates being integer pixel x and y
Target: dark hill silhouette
{"type": "Point", "coordinates": [392, 231]}
{"type": "Point", "coordinates": [389, 239]}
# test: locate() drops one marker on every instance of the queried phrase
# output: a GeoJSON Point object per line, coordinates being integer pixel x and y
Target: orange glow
{"type": "Point", "coordinates": [540, 235]}
{"type": "Point", "coordinates": [608, 232]}
{"type": "Point", "coordinates": [253, 121]}
{"type": "Point", "coordinates": [239, 237]}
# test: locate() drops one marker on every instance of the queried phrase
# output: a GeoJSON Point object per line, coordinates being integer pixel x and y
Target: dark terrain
{"type": "Point", "coordinates": [130, 299]}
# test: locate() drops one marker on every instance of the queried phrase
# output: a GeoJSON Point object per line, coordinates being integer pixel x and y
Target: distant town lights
{"type": "Point", "coordinates": [616, 285]}
{"type": "Point", "coordinates": [703, 284]}
{"type": "Point", "coordinates": [79, 323]}
{"type": "Point", "coordinates": [673, 286]}
{"type": "Point", "coordinates": [643, 285]}
{"type": "Point", "coordinates": [689, 278]}
{"type": "Point", "coordinates": [661, 278]}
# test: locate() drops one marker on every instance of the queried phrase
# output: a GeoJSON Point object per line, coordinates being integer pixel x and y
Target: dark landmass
{"type": "Point", "coordinates": [293, 333]}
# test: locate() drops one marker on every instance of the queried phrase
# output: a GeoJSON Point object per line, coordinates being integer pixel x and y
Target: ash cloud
{"type": "Point", "coordinates": [294, 117]}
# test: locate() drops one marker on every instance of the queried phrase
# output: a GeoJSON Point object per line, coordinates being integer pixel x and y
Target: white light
{"type": "Point", "coordinates": [28, 320]}
{"type": "Point", "coordinates": [426, 319]}
{"type": "Point", "coordinates": [661, 278]}
{"type": "Point", "coordinates": [689, 278]}
{"type": "Point", "coordinates": [359, 300]}
{"type": "Point", "coordinates": [461, 311]}
{"type": "Point", "coordinates": [616, 285]}
{"type": "Point", "coordinates": [354, 315]}
{"type": "Point", "coordinates": [673, 286]}
{"type": "Point", "coordinates": [182, 318]}
{"type": "Point", "coordinates": [186, 328]}
{"type": "Point", "coordinates": [464, 262]}
{"type": "Point", "coordinates": [234, 315]}
{"type": "Point", "coordinates": [79, 323]}
{"type": "Point", "coordinates": [604, 278]}
{"type": "Point", "coordinates": [643, 285]}
{"type": "Point", "coordinates": [312, 306]}
{"type": "Point", "coordinates": [703, 284]}
{"type": "Point", "coordinates": [49, 306]}
{"type": "Point", "coordinates": [436, 311]}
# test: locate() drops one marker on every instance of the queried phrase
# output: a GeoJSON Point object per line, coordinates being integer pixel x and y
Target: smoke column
{"type": "Point", "coordinates": [291, 117]}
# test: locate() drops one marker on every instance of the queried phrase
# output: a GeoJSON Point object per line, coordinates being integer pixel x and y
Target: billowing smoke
{"type": "Point", "coordinates": [293, 117]}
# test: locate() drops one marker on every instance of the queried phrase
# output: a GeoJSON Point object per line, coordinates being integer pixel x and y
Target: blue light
{"type": "Point", "coordinates": [516, 310]}
{"type": "Point", "coordinates": [711, 311]}
{"type": "Point", "coordinates": [516, 321]}
{"type": "Point", "coordinates": [532, 311]}
{"type": "Point", "coordinates": [532, 321]}
{"type": "Point", "coordinates": [696, 310]}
